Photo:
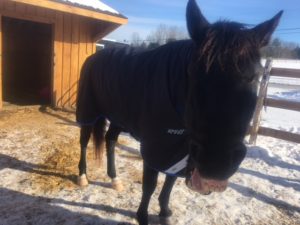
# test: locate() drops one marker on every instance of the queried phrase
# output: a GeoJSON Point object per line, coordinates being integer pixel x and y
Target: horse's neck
{"type": "Point", "coordinates": [178, 75]}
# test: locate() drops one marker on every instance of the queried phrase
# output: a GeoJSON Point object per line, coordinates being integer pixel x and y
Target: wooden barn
{"type": "Point", "coordinates": [43, 44]}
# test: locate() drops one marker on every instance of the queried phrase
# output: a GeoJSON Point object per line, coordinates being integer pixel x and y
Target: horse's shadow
{"type": "Point", "coordinates": [131, 150]}
{"type": "Point", "coordinates": [153, 219]}
{"type": "Point", "coordinates": [66, 121]}
{"type": "Point", "coordinates": [17, 207]}
{"type": "Point", "coordinates": [13, 163]}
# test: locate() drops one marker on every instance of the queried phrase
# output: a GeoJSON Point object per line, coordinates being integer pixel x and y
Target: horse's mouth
{"type": "Point", "coordinates": [205, 186]}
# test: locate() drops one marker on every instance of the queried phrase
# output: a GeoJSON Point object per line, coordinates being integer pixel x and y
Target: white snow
{"type": "Point", "coordinates": [96, 4]}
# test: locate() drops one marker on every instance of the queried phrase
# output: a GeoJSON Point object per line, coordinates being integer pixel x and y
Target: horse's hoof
{"type": "Point", "coordinates": [142, 217]}
{"type": "Point", "coordinates": [82, 181]}
{"type": "Point", "coordinates": [165, 213]}
{"type": "Point", "coordinates": [117, 185]}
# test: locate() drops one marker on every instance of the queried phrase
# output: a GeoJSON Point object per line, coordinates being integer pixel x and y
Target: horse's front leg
{"type": "Point", "coordinates": [149, 185]}
{"type": "Point", "coordinates": [164, 196]}
{"type": "Point", "coordinates": [111, 138]}
{"type": "Point", "coordinates": [85, 134]}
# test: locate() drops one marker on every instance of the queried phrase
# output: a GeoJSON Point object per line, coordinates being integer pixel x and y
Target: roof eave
{"type": "Point", "coordinates": [74, 9]}
{"type": "Point", "coordinates": [105, 31]}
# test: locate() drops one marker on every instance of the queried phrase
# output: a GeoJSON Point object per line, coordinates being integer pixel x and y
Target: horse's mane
{"type": "Point", "coordinates": [228, 44]}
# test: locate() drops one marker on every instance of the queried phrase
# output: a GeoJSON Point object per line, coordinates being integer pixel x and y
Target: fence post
{"type": "Point", "coordinates": [262, 93]}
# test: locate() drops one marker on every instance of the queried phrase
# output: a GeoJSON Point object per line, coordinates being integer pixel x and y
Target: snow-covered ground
{"type": "Point", "coordinates": [39, 152]}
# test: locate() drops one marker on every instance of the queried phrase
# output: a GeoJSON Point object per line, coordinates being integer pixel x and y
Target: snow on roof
{"type": "Point", "coordinates": [96, 4]}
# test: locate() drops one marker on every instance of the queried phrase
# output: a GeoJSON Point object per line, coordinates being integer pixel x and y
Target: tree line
{"type": "Point", "coordinates": [164, 34]}
{"type": "Point", "coordinates": [281, 49]}
{"type": "Point", "coordinates": [161, 35]}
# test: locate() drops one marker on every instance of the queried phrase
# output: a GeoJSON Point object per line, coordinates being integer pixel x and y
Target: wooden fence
{"type": "Point", "coordinates": [263, 100]}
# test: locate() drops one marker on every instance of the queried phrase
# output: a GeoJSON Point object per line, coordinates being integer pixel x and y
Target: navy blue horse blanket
{"type": "Point", "coordinates": [143, 92]}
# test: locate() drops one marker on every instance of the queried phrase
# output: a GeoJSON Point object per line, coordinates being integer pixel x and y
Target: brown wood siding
{"type": "Point", "coordinates": [0, 61]}
{"type": "Point", "coordinates": [67, 38]}
{"type": "Point", "coordinates": [73, 42]}
{"type": "Point", "coordinates": [77, 45]}
{"type": "Point", "coordinates": [74, 60]}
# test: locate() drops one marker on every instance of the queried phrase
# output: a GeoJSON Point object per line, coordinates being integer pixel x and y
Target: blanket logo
{"type": "Point", "coordinates": [176, 131]}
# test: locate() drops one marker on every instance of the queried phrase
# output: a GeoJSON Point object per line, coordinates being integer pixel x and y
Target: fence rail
{"type": "Point", "coordinates": [284, 72]}
{"type": "Point", "coordinates": [262, 101]}
{"type": "Point", "coordinates": [284, 135]}
{"type": "Point", "coordinates": [283, 104]}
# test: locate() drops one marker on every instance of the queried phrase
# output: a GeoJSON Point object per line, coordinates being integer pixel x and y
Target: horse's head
{"type": "Point", "coordinates": [222, 85]}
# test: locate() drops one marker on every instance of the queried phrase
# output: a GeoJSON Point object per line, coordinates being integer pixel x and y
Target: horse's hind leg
{"type": "Point", "coordinates": [111, 138]}
{"type": "Point", "coordinates": [85, 134]}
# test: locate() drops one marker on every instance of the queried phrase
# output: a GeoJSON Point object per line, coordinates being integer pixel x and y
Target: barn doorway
{"type": "Point", "coordinates": [26, 62]}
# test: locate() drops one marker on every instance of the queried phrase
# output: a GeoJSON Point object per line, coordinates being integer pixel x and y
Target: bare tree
{"type": "Point", "coordinates": [280, 49]}
{"type": "Point", "coordinates": [135, 39]}
{"type": "Point", "coordinates": [177, 33]}
{"type": "Point", "coordinates": [163, 34]}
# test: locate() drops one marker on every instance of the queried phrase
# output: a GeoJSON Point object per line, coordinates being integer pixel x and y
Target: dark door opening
{"type": "Point", "coordinates": [26, 62]}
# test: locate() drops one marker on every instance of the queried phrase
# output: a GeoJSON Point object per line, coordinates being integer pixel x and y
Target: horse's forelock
{"type": "Point", "coordinates": [229, 45]}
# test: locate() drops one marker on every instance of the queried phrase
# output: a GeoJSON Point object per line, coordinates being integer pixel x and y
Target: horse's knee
{"type": "Point", "coordinates": [82, 180]}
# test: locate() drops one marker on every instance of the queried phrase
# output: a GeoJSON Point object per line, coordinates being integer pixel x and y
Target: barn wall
{"type": "Point", "coordinates": [73, 42]}
{"type": "Point", "coordinates": [1, 104]}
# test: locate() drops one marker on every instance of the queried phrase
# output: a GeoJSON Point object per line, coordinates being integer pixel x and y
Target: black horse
{"type": "Point", "coordinates": [188, 102]}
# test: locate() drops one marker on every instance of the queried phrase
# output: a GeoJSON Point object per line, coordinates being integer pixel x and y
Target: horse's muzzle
{"type": "Point", "coordinates": [205, 186]}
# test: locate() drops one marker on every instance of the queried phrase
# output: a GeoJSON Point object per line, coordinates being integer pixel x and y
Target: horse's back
{"type": "Point", "coordinates": [130, 88]}
{"type": "Point", "coordinates": [110, 87]}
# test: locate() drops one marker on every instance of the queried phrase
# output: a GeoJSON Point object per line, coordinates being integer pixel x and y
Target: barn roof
{"type": "Point", "coordinates": [92, 4]}
{"type": "Point", "coordinates": [94, 9]}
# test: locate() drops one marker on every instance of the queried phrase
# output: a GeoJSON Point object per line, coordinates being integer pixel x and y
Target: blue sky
{"type": "Point", "coordinates": [145, 15]}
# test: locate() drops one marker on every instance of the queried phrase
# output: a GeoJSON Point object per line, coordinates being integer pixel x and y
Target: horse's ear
{"type": "Point", "coordinates": [264, 31]}
{"type": "Point", "coordinates": [195, 20]}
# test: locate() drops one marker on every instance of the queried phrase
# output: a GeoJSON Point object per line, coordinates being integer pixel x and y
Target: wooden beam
{"type": "Point", "coordinates": [260, 101]}
{"type": "Point", "coordinates": [283, 104]}
{"type": "Point", "coordinates": [283, 72]}
{"type": "Point", "coordinates": [23, 16]}
{"type": "Point", "coordinates": [74, 10]}
{"type": "Point", "coordinates": [284, 135]}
